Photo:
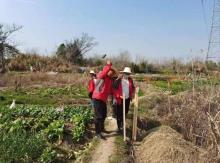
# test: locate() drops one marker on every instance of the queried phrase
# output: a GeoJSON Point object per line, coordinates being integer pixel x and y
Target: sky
{"type": "Point", "coordinates": [152, 29]}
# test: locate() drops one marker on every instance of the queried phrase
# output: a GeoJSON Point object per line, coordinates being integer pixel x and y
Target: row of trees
{"type": "Point", "coordinates": [74, 52]}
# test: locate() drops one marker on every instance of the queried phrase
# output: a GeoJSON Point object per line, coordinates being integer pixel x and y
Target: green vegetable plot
{"type": "Point", "coordinates": [44, 96]}
{"type": "Point", "coordinates": [37, 134]}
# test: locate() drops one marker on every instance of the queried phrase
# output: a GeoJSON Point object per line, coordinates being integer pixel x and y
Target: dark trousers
{"type": "Point", "coordinates": [100, 110]}
{"type": "Point", "coordinates": [119, 112]}
{"type": "Point", "coordinates": [114, 108]}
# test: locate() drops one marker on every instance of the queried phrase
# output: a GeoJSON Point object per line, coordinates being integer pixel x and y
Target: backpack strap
{"type": "Point", "coordinates": [99, 84]}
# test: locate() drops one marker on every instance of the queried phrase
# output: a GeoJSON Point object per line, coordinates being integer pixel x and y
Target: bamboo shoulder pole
{"type": "Point", "coordinates": [124, 118]}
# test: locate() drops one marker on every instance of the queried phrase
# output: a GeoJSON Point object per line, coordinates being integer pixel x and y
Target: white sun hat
{"type": "Point", "coordinates": [92, 72]}
{"type": "Point", "coordinates": [127, 70]}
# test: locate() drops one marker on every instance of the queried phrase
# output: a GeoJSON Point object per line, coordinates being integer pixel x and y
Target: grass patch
{"type": "Point", "coordinates": [17, 145]}
{"type": "Point", "coordinates": [121, 153]}
{"type": "Point", "coordinates": [140, 92]}
{"type": "Point", "coordinates": [23, 97]}
{"type": "Point", "coordinates": [43, 96]}
{"type": "Point", "coordinates": [175, 87]}
{"type": "Point", "coordinates": [87, 155]}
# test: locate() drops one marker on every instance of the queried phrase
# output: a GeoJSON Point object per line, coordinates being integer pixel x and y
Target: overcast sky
{"type": "Point", "coordinates": [150, 28]}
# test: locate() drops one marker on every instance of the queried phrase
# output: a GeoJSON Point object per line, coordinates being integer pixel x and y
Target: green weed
{"type": "Point", "coordinates": [121, 153]}
{"type": "Point", "coordinates": [175, 87]}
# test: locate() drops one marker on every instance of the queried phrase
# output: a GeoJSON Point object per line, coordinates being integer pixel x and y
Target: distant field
{"type": "Point", "coordinates": [178, 83]}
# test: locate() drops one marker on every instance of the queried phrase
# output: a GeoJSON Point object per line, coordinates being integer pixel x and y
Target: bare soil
{"type": "Point", "coordinates": [106, 147]}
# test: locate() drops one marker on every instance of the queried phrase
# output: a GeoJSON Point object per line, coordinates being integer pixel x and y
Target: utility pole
{"type": "Point", "coordinates": [213, 52]}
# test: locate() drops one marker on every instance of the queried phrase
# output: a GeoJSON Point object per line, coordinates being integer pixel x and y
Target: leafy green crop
{"type": "Point", "coordinates": [48, 155]}
{"type": "Point", "coordinates": [79, 122]}
{"type": "Point", "coordinates": [20, 146]}
{"type": "Point", "coordinates": [68, 90]}
{"type": "Point", "coordinates": [28, 132]}
{"type": "Point", "coordinates": [54, 131]}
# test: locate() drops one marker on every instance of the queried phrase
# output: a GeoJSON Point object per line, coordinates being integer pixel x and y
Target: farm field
{"type": "Point", "coordinates": [109, 81]}
{"type": "Point", "coordinates": [54, 123]}
{"type": "Point", "coordinates": [49, 123]}
{"type": "Point", "coordinates": [38, 133]}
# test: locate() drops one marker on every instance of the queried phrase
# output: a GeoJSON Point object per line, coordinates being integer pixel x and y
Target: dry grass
{"type": "Point", "coordinates": [166, 145]}
{"type": "Point", "coordinates": [39, 63]}
{"type": "Point", "coordinates": [190, 115]}
{"type": "Point", "coordinates": [42, 79]}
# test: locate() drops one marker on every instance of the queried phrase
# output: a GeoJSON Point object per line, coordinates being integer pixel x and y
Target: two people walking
{"type": "Point", "coordinates": [102, 86]}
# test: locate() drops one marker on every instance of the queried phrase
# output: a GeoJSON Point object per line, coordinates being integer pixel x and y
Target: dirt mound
{"type": "Point", "coordinates": [166, 145]}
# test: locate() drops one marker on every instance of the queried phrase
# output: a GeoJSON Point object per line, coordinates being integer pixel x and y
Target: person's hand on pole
{"type": "Point", "coordinates": [109, 62]}
{"type": "Point", "coordinates": [120, 76]}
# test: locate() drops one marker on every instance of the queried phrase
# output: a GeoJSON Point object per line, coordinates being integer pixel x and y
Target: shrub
{"type": "Point", "coordinates": [211, 65]}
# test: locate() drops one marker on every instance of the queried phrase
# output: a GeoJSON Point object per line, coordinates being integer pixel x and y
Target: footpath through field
{"type": "Point", "coordinates": [106, 147]}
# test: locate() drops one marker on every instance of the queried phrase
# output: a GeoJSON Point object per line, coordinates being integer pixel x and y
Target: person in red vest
{"type": "Point", "coordinates": [123, 85]}
{"type": "Point", "coordinates": [91, 86]}
{"type": "Point", "coordinates": [103, 88]}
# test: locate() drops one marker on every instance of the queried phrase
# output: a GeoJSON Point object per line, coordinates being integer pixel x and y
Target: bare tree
{"type": "Point", "coordinates": [6, 47]}
{"type": "Point", "coordinates": [75, 50]}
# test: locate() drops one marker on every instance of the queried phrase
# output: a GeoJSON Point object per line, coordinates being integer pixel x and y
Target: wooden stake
{"type": "Point", "coordinates": [134, 131]}
{"type": "Point", "coordinates": [170, 91]}
{"type": "Point", "coordinates": [193, 82]}
{"type": "Point", "coordinates": [124, 120]}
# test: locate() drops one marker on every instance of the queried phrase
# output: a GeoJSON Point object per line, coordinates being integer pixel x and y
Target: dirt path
{"type": "Point", "coordinates": [106, 147]}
